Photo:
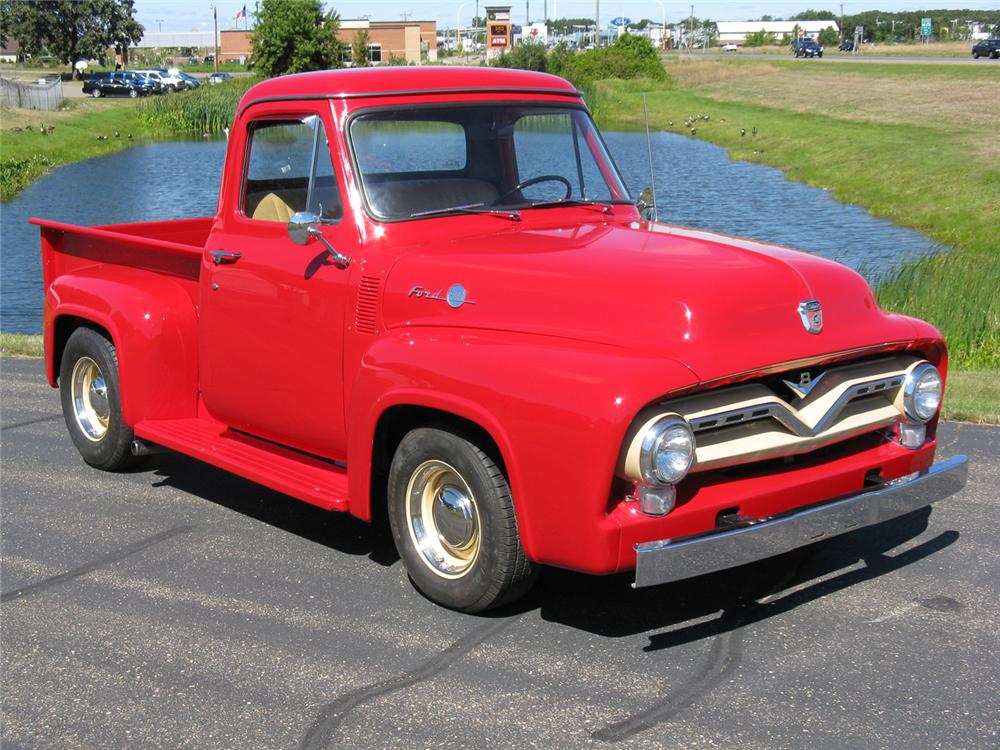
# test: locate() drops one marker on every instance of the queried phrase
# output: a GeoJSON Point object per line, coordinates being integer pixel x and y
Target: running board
{"type": "Point", "coordinates": [303, 477]}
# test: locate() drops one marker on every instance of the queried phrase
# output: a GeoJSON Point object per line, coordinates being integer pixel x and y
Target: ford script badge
{"type": "Point", "coordinates": [811, 312]}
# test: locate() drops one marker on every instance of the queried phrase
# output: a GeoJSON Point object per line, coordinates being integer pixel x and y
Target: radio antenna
{"type": "Point", "coordinates": [649, 148]}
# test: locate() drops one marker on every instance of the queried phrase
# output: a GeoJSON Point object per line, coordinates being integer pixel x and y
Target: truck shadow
{"type": "Point", "coordinates": [606, 606]}
{"type": "Point", "coordinates": [337, 531]}
{"type": "Point", "coordinates": [609, 607]}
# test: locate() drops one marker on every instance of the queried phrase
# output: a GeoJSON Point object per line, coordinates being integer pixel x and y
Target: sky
{"type": "Point", "coordinates": [196, 15]}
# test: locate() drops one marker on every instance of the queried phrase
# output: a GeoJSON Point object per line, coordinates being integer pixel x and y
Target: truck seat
{"type": "Point", "coordinates": [272, 208]}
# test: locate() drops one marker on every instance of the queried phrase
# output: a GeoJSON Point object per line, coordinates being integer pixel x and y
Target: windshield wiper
{"type": "Point", "coordinates": [470, 208]}
{"type": "Point", "coordinates": [603, 206]}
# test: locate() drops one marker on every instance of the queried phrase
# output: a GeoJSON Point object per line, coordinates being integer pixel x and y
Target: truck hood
{"type": "Point", "coordinates": [719, 305]}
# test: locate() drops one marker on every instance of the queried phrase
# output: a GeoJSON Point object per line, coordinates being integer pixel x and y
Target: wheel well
{"type": "Point", "coordinates": [64, 327]}
{"type": "Point", "coordinates": [392, 427]}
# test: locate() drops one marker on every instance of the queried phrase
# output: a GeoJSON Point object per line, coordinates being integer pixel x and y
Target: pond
{"type": "Point", "coordinates": [697, 186]}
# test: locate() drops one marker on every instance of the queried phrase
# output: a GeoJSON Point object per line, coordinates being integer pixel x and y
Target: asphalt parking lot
{"type": "Point", "coordinates": [179, 607]}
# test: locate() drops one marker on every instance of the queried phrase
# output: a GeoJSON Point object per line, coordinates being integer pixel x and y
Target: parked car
{"type": "Point", "coordinates": [189, 80]}
{"type": "Point", "coordinates": [987, 48]}
{"type": "Point", "coordinates": [220, 77]}
{"type": "Point", "coordinates": [807, 48]}
{"type": "Point", "coordinates": [119, 83]}
{"type": "Point", "coordinates": [514, 365]}
{"type": "Point", "coordinates": [847, 45]}
{"type": "Point", "coordinates": [168, 81]}
{"type": "Point", "coordinates": [730, 47]}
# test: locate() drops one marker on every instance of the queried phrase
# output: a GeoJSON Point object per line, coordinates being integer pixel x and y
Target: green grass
{"type": "Point", "coordinates": [20, 345]}
{"type": "Point", "coordinates": [27, 154]}
{"type": "Point", "coordinates": [973, 396]}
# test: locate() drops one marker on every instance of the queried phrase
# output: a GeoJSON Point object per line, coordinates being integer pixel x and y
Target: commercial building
{"type": "Point", "coordinates": [736, 32]}
{"type": "Point", "coordinates": [409, 41]}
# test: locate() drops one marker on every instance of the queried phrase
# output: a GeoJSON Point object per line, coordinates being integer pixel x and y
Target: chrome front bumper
{"type": "Point", "coordinates": [688, 556]}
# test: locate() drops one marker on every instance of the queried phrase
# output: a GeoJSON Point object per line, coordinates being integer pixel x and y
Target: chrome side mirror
{"type": "Point", "coordinates": [304, 225]}
{"type": "Point", "coordinates": [646, 204]}
{"type": "Point", "coordinates": [300, 226]}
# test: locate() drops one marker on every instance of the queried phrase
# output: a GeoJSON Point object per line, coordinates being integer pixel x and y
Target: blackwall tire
{"type": "Point", "coordinates": [91, 401]}
{"type": "Point", "coordinates": [96, 93]}
{"type": "Point", "coordinates": [452, 519]}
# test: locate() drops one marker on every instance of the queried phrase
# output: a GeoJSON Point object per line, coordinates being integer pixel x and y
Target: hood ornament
{"type": "Point", "coordinates": [811, 313]}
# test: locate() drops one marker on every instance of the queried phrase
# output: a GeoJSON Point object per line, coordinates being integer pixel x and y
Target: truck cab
{"type": "Point", "coordinates": [428, 296]}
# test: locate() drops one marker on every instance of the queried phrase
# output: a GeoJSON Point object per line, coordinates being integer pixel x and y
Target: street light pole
{"type": "Point", "coordinates": [215, 18]}
{"type": "Point", "coordinates": [597, 25]}
{"type": "Point", "coordinates": [458, 28]}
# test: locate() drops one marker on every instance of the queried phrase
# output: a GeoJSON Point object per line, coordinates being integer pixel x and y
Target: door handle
{"type": "Point", "coordinates": [224, 257]}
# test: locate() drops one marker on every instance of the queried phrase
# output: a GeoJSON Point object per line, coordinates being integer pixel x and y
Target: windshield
{"type": "Point", "coordinates": [420, 162]}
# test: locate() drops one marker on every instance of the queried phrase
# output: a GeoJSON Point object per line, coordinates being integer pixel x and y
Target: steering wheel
{"type": "Point", "coordinates": [535, 181]}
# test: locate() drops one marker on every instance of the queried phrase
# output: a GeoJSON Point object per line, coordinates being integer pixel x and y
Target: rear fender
{"type": "Point", "coordinates": [153, 325]}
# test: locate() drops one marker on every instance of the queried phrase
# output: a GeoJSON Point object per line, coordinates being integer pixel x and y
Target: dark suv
{"type": "Point", "coordinates": [806, 48]}
{"type": "Point", "coordinates": [123, 82]}
{"type": "Point", "coordinates": [987, 48]}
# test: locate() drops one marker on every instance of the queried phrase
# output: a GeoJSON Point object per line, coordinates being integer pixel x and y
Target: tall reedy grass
{"type": "Point", "coordinates": [207, 109]}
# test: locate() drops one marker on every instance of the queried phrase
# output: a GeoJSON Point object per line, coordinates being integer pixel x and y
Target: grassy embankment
{"type": "Point", "coordinates": [916, 144]}
{"type": "Point", "coordinates": [26, 152]}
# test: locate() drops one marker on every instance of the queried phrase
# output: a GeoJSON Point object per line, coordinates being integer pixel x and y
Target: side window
{"type": "Point", "coordinates": [289, 169]}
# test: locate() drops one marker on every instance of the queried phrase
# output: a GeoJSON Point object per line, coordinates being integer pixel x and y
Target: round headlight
{"type": "Point", "coordinates": [922, 392]}
{"type": "Point", "coordinates": [667, 452]}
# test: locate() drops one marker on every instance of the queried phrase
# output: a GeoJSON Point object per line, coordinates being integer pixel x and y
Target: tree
{"type": "Point", "coordinates": [829, 37]}
{"type": "Point", "coordinates": [72, 31]}
{"type": "Point", "coordinates": [359, 49]}
{"type": "Point", "coordinates": [292, 36]}
{"type": "Point", "coordinates": [813, 15]}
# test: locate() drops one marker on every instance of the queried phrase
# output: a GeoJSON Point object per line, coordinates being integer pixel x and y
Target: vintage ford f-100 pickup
{"type": "Point", "coordinates": [427, 294]}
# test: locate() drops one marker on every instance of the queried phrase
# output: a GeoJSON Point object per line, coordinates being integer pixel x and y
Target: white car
{"type": "Point", "coordinates": [168, 81]}
{"type": "Point", "coordinates": [730, 47]}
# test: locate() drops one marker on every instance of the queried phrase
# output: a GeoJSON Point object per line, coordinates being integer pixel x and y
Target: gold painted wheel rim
{"type": "Point", "coordinates": [443, 519]}
{"type": "Point", "coordinates": [91, 407]}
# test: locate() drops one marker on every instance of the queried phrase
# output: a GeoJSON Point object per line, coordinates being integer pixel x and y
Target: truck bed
{"type": "Point", "coordinates": [168, 247]}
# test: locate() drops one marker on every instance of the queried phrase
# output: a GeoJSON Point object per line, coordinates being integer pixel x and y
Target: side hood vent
{"type": "Point", "coordinates": [366, 312]}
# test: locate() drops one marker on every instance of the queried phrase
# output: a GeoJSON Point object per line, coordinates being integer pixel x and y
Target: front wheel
{"type": "Point", "coordinates": [91, 401]}
{"type": "Point", "coordinates": [96, 93]}
{"type": "Point", "coordinates": [133, 93]}
{"type": "Point", "coordinates": [452, 518]}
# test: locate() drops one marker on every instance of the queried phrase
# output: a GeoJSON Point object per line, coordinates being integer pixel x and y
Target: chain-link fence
{"type": "Point", "coordinates": [46, 94]}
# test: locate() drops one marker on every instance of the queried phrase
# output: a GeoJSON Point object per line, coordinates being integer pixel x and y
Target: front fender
{"type": "Point", "coordinates": [558, 411]}
{"type": "Point", "coordinates": [153, 324]}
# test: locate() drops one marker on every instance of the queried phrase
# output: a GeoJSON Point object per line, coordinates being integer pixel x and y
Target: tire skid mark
{"type": "Point", "coordinates": [333, 714]}
{"type": "Point", "coordinates": [724, 658]}
{"type": "Point", "coordinates": [29, 422]}
{"type": "Point", "coordinates": [108, 559]}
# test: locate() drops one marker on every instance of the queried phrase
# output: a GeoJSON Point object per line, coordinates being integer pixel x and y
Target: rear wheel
{"type": "Point", "coordinates": [133, 93]}
{"type": "Point", "coordinates": [452, 518]}
{"type": "Point", "coordinates": [91, 401]}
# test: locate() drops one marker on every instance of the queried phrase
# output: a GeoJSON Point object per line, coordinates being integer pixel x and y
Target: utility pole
{"type": "Point", "coordinates": [597, 25]}
{"type": "Point", "coordinates": [215, 18]}
{"type": "Point", "coordinates": [527, 16]}
{"type": "Point", "coordinates": [842, 37]}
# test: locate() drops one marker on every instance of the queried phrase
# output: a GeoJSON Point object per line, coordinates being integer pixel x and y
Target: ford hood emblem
{"type": "Point", "coordinates": [811, 313]}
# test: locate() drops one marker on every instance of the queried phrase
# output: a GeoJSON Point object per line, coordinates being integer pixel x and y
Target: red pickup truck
{"type": "Point", "coordinates": [428, 295]}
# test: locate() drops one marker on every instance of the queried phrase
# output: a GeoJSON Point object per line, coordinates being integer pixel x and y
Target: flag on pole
{"type": "Point", "coordinates": [241, 14]}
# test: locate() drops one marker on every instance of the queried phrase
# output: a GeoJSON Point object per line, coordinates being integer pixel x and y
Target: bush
{"type": "Point", "coordinates": [526, 56]}
{"type": "Point", "coordinates": [629, 57]}
{"type": "Point", "coordinates": [759, 39]}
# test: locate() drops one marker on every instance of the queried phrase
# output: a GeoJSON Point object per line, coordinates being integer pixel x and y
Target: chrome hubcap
{"type": "Point", "coordinates": [90, 399]}
{"type": "Point", "coordinates": [443, 519]}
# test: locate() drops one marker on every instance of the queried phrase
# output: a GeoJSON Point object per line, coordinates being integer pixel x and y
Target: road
{"type": "Point", "coordinates": [849, 58]}
{"type": "Point", "coordinates": [179, 607]}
